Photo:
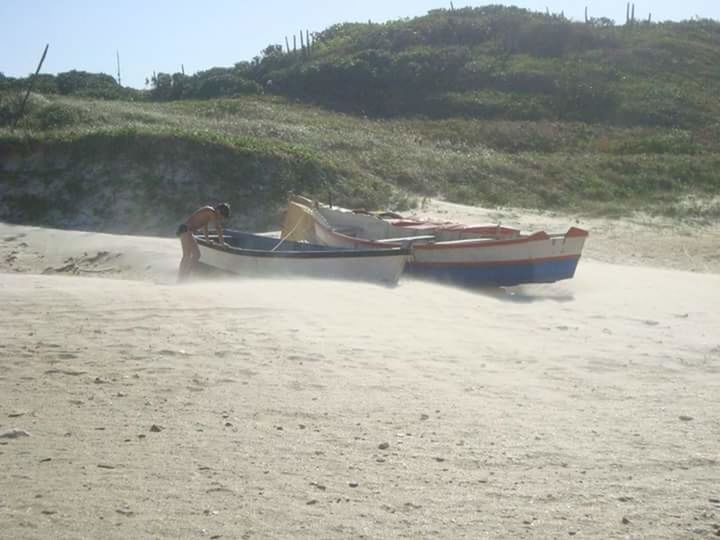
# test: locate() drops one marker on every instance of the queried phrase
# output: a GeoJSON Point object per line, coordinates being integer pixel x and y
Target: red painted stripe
{"type": "Point", "coordinates": [575, 232]}
{"type": "Point", "coordinates": [535, 237]}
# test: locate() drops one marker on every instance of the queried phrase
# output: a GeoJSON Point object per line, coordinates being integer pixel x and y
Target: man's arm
{"type": "Point", "coordinates": [219, 230]}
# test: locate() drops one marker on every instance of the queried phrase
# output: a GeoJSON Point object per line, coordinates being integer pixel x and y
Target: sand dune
{"type": "Point", "coordinates": [314, 409]}
{"type": "Point", "coordinates": [52, 251]}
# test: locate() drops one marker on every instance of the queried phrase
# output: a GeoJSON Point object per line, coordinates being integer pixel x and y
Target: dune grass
{"type": "Point", "coordinates": [255, 149]}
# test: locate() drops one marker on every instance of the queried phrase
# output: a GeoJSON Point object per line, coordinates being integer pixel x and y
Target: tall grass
{"type": "Point", "coordinates": [255, 149]}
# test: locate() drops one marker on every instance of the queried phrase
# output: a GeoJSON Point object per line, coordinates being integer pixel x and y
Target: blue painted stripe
{"type": "Point", "coordinates": [502, 274]}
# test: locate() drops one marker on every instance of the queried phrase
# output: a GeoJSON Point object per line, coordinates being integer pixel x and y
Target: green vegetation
{"type": "Point", "coordinates": [493, 106]}
{"type": "Point", "coordinates": [489, 63]}
{"type": "Point", "coordinates": [73, 83]}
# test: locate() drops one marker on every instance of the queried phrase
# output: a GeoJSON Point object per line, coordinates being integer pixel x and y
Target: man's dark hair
{"type": "Point", "coordinates": [224, 209]}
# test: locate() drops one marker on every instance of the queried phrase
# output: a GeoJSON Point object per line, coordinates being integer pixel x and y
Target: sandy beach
{"type": "Point", "coordinates": [132, 407]}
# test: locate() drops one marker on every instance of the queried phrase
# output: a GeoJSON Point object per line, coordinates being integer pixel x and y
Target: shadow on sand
{"type": "Point", "coordinates": [522, 294]}
{"type": "Point", "coordinates": [519, 294]}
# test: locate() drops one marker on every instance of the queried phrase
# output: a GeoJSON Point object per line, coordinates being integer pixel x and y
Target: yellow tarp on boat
{"type": "Point", "coordinates": [298, 223]}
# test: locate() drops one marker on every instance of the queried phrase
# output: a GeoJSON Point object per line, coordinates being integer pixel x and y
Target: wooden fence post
{"type": "Point", "coordinates": [30, 85]}
{"type": "Point", "coordinates": [118, 66]}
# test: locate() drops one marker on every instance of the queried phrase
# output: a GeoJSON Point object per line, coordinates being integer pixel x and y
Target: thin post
{"type": "Point", "coordinates": [452, 8]}
{"type": "Point", "coordinates": [307, 40]}
{"type": "Point", "coordinates": [287, 45]}
{"type": "Point", "coordinates": [182, 68]}
{"type": "Point", "coordinates": [30, 85]}
{"type": "Point", "coordinates": [302, 42]}
{"type": "Point", "coordinates": [586, 19]}
{"type": "Point", "coordinates": [294, 43]}
{"type": "Point", "coordinates": [632, 14]}
{"type": "Point", "coordinates": [118, 66]}
{"type": "Point", "coordinates": [649, 18]}
{"type": "Point", "coordinates": [627, 13]}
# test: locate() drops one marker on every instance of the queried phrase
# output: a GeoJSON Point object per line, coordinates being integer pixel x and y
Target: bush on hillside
{"type": "Point", "coordinates": [213, 83]}
{"type": "Point", "coordinates": [82, 83]}
{"type": "Point", "coordinates": [487, 62]}
{"type": "Point", "coordinates": [10, 103]}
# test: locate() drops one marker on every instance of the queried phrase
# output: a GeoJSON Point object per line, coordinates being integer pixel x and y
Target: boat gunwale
{"type": "Point", "coordinates": [464, 243]}
{"type": "Point", "coordinates": [337, 253]}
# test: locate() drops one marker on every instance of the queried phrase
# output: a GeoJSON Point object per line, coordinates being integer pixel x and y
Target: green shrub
{"type": "Point", "coordinates": [56, 116]}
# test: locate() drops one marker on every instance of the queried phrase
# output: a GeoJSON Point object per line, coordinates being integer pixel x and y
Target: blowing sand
{"type": "Point", "coordinates": [136, 408]}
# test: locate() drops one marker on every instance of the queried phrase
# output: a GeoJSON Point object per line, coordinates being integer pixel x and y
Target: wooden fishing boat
{"type": "Point", "coordinates": [477, 255]}
{"type": "Point", "coordinates": [255, 255]}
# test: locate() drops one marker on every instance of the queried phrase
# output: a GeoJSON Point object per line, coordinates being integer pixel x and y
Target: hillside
{"type": "Point", "coordinates": [498, 62]}
{"type": "Point", "coordinates": [494, 106]}
{"type": "Point", "coordinates": [488, 62]}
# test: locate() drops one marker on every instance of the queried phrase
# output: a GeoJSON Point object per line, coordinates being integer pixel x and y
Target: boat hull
{"type": "Point", "coordinates": [502, 260]}
{"type": "Point", "coordinates": [538, 258]}
{"type": "Point", "coordinates": [507, 273]}
{"type": "Point", "coordinates": [303, 260]}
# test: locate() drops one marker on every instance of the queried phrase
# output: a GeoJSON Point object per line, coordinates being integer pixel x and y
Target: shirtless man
{"type": "Point", "coordinates": [199, 219]}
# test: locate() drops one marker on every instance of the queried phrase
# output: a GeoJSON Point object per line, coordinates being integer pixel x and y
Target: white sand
{"type": "Point", "coordinates": [585, 408]}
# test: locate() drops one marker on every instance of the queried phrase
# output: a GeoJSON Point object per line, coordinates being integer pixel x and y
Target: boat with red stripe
{"type": "Point", "coordinates": [478, 255]}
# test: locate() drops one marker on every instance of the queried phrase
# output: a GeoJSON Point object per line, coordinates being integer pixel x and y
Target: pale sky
{"type": "Point", "coordinates": [160, 35]}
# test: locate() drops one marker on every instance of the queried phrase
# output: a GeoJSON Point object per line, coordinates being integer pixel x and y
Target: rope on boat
{"type": "Point", "coordinates": [286, 236]}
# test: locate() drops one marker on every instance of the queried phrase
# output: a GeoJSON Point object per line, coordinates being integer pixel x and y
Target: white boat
{"type": "Point", "coordinates": [469, 254]}
{"type": "Point", "coordinates": [255, 255]}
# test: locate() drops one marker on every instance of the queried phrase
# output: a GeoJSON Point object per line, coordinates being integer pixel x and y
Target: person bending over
{"type": "Point", "coordinates": [199, 219]}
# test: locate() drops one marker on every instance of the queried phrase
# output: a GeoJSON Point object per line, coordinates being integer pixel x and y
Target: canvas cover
{"type": "Point", "coordinates": [299, 223]}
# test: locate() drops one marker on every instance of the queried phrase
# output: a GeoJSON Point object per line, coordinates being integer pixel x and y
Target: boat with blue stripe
{"type": "Point", "coordinates": [475, 255]}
